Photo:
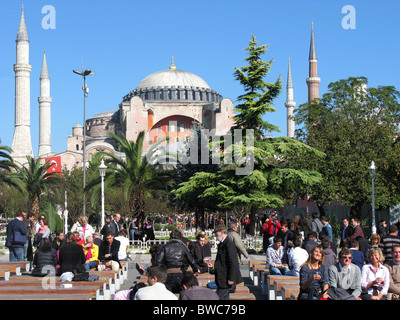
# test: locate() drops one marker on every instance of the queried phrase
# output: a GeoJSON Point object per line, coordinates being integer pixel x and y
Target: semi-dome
{"type": "Point", "coordinates": [172, 78]}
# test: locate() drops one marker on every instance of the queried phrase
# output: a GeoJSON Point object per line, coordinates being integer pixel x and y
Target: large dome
{"type": "Point", "coordinates": [172, 78]}
{"type": "Point", "coordinates": [174, 85]}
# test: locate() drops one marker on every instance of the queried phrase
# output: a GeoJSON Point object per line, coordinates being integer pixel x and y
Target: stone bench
{"type": "Point", "coordinates": [270, 284]}
{"type": "Point", "coordinates": [287, 290]}
{"type": "Point", "coordinates": [278, 286]}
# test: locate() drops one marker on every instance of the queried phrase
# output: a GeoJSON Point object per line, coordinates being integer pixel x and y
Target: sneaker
{"type": "Point", "coordinates": [140, 269]}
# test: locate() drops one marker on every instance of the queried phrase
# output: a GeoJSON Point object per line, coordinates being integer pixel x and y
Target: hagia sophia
{"type": "Point", "coordinates": [164, 104]}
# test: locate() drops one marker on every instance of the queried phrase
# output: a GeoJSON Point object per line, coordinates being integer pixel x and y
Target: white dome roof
{"type": "Point", "coordinates": [172, 77]}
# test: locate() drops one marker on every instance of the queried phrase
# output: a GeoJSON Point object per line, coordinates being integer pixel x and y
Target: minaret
{"type": "Point", "coordinates": [22, 144]}
{"type": "Point", "coordinates": [313, 81]}
{"type": "Point", "coordinates": [290, 104]}
{"type": "Point", "coordinates": [44, 111]}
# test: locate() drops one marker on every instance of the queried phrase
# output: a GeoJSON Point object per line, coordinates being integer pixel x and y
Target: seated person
{"type": "Point", "coordinates": [45, 259]}
{"type": "Point", "coordinates": [157, 276]}
{"type": "Point", "coordinates": [192, 290]}
{"type": "Point", "coordinates": [275, 258]}
{"type": "Point", "coordinates": [71, 256]}
{"type": "Point", "coordinates": [91, 252]}
{"type": "Point", "coordinates": [108, 254]}
{"type": "Point", "coordinates": [346, 275]}
{"type": "Point", "coordinates": [124, 246]}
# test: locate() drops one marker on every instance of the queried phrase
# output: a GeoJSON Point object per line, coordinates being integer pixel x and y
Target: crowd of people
{"type": "Point", "coordinates": [76, 252]}
{"type": "Point", "coordinates": [356, 268]}
{"type": "Point", "coordinates": [172, 273]}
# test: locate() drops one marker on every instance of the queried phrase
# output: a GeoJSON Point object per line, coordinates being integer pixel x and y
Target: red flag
{"type": "Point", "coordinates": [55, 165]}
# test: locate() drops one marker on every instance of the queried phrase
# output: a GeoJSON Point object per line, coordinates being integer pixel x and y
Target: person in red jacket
{"type": "Point", "coordinates": [270, 229]}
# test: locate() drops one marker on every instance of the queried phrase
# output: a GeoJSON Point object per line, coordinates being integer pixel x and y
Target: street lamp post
{"type": "Point", "coordinates": [102, 168]}
{"type": "Point", "coordinates": [85, 89]}
{"type": "Point", "coordinates": [372, 170]}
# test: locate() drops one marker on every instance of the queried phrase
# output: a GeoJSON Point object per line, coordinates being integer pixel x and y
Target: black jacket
{"type": "Point", "coordinates": [71, 257]}
{"type": "Point", "coordinates": [42, 259]}
{"type": "Point", "coordinates": [175, 254]}
{"type": "Point", "coordinates": [105, 248]}
{"type": "Point", "coordinates": [110, 227]}
{"type": "Point", "coordinates": [227, 264]}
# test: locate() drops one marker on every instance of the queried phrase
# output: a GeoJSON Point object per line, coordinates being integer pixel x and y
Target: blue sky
{"type": "Point", "coordinates": [126, 40]}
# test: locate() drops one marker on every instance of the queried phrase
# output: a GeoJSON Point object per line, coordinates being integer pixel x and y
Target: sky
{"type": "Point", "coordinates": [124, 41]}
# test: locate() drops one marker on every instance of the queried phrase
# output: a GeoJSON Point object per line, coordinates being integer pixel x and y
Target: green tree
{"type": "Point", "coordinates": [8, 177]}
{"type": "Point", "coordinates": [259, 94]}
{"type": "Point", "coordinates": [137, 174]}
{"type": "Point", "coordinates": [353, 125]}
{"type": "Point", "coordinates": [274, 176]}
{"type": "Point", "coordinates": [37, 181]}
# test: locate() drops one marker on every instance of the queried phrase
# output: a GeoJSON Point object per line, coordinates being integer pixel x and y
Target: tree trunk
{"type": "Point", "coordinates": [34, 206]}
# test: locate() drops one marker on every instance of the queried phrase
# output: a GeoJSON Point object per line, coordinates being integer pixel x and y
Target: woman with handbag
{"type": "Point", "coordinates": [314, 279]}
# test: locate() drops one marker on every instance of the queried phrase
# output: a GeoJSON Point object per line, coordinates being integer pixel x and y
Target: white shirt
{"type": "Point", "coordinates": [157, 291]}
{"type": "Point", "coordinates": [297, 256]}
{"type": "Point", "coordinates": [368, 274]}
{"type": "Point", "coordinates": [122, 247]}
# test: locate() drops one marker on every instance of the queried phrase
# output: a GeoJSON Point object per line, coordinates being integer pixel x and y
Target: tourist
{"type": "Point", "coordinates": [375, 277]}
{"type": "Point", "coordinates": [91, 252]}
{"type": "Point", "coordinates": [394, 271]}
{"type": "Point", "coordinates": [16, 238]}
{"type": "Point", "coordinates": [83, 228]}
{"type": "Point", "coordinates": [276, 258]}
{"type": "Point", "coordinates": [45, 260]}
{"type": "Point", "coordinates": [314, 279]}
{"type": "Point", "coordinates": [108, 254]}
{"type": "Point", "coordinates": [71, 257]}
{"type": "Point", "coordinates": [193, 291]}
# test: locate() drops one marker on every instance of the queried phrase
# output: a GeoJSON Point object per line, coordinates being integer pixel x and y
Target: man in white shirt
{"type": "Point", "coordinates": [296, 257]}
{"type": "Point", "coordinates": [124, 246]}
{"type": "Point", "coordinates": [157, 276]}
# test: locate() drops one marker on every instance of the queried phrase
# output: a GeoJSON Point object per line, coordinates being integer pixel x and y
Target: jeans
{"type": "Point", "coordinates": [90, 265]}
{"type": "Point", "coordinates": [277, 271]}
{"type": "Point", "coordinates": [26, 250]}
{"type": "Point", "coordinates": [16, 254]}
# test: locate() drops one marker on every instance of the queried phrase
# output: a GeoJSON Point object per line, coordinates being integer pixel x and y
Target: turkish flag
{"type": "Point", "coordinates": [55, 165]}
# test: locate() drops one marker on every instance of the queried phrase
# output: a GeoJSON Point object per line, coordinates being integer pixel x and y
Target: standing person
{"type": "Point", "coordinates": [375, 277]}
{"type": "Point", "coordinates": [387, 242]}
{"type": "Point", "coordinates": [316, 224]}
{"type": "Point", "coordinates": [356, 230]}
{"type": "Point", "coordinates": [28, 223]}
{"type": "Point", "coordinates": [108, 253]}
{"type": "Point", "coordinates": [42, 233]}
{"type": "Point", "coordinates": [134, 230]}
{"type": "Point", "coordinates": [246, 224]}
{"type": "Point", "coordinates": [326, 228]}
{"type": "Point", "coordinates": [110, 226]}
{"type": "Point", "coordinates": [287, 235]}
{"type": "Point", "coordinates": [235, 237]}
{"type": "Point", "coordinates": [149, 230]}
{"type": "Point", "coordinates": [346, 231]}
{"type": "Point", "coordinates": [270, 229]}
{"type": "Point", "coordinates": [346, 275]}
{"type": "Point", "coordinates": [71, 257]}
{"type": "Point", "coordinates": [276, 258]}
{"type": "Point", "coordinates": [310, 242]}
{"type": "Point", "coordinates": [16, 238]}
{"type": "Point", "coordinates": [45, 260]}
{"type": "Point", "coordinates": [83, 228]}
{"type": "Point", "coordinates": [383, 229]}
{"type": "Point", "coordinates": [394, 271]}
{"type": "Point", "coordinates": [91, 252]}
{"type": "Point", "coordinates": [124, 246]}
{"type": "Point", "coordinates": [202, 252]}
{"type": "Point", "coordinates": [227, 273]}
{"type": "Point", "coordinates": [314, 279]}
{"type": "Point", "coordinates": [176, 256]}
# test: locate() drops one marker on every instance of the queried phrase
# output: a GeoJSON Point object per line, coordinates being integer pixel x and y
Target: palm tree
{"type": "Point", "coordinates": [8, 177]}
{"type": "Point", "coordinates": [138, 175]}
{"type": "Point", "coordinates": [36, 180]}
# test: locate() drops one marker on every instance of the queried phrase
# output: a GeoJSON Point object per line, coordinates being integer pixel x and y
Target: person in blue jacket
{"type": "Point", "coordinates": [16, 238]}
